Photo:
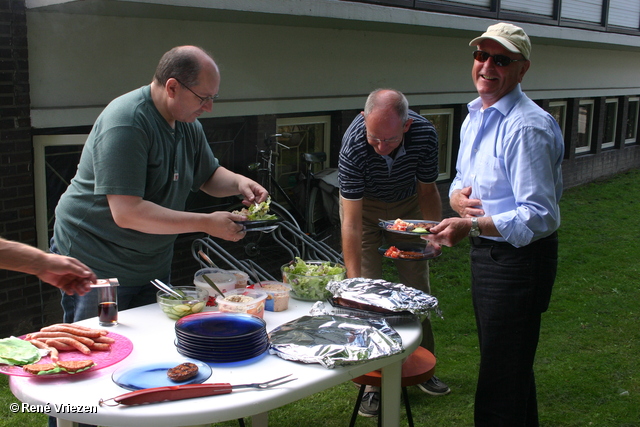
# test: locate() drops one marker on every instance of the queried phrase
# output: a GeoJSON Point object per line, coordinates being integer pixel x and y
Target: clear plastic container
{"type": "Point", "coordinates": [224, 280]}
{"type": "Point", "coordinates": [278, 294]}
{"type": "Point", "coordinates": [242, 278]}
{"type": "Point", "coordinates": [248, 301]}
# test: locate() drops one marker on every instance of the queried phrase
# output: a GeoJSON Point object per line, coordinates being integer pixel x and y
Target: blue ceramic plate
{"type": "Point", "coordinates": [216, 325]}
{"type": "Point", "coordinates": [224, 358]}
{"type": "Point", "coordinates": [182, 337]}
{"type": "Point", "coordinates": [222, 348]}
{"type": "Point", "coordinates": [149, 375]}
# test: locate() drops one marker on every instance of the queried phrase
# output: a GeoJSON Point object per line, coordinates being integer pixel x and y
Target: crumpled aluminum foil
{"type": "Point", "coordinates": [394, 297]}
{"type": "Point", "coordinates": [332, 340]}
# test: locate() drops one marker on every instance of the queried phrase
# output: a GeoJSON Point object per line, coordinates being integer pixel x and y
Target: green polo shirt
{"type": "Point", "coordinates": [132, 151]}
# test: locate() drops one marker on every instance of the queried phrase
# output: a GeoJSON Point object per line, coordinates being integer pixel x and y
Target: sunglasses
{"type": "Point", "coordinates": [499, 60]}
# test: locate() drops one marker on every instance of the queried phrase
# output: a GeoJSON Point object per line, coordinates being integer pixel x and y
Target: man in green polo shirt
{"type": "Point", "coordinates": [126, 205]}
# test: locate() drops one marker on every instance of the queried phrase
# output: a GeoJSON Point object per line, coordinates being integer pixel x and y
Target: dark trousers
{"type": "Point", "coordinates": [511, 288]}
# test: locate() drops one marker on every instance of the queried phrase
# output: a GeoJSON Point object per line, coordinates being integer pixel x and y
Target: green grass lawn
{"type": "Point", "coordinates": [586, 366]}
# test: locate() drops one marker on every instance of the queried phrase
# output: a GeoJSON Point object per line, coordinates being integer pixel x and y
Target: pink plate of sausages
{"type": "Point", "coordinates": [118, 350]}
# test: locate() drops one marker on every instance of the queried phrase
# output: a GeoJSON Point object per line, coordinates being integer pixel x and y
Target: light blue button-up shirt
{"type": "Point", "coordinates": [511, 156]}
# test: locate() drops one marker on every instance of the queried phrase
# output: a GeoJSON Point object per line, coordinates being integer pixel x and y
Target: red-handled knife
{"type": "Point", "coordinates": [186, 391]}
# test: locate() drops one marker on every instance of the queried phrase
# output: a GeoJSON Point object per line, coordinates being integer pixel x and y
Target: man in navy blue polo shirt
{"type": "Point", "coordinates": [387, 169]}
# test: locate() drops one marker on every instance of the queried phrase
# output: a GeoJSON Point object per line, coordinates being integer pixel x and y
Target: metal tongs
{"type": "Point", "coordinates": [186, 391]}
{"type": "Point", "coordinates": [163, 287]}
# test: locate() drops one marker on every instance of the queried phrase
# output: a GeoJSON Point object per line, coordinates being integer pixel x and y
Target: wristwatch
{"type": "Point", "coordinates": [475, 228]}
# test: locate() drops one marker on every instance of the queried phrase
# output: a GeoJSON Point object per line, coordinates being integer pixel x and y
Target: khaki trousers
{"type": "Point", "coordinates": [411, 273]}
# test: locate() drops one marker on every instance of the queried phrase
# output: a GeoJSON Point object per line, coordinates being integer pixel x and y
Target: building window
{"type": "Point", "coordinates": [303, 135]}
{"type": "Point", "coordinates": [585, 125]}
{"type": "Point", "coordinates": [539, 7]}
{"type": "Point", "coordinates": [442, 120]}
{"type": "Point", "coordinates": [482, 3]}
{"type": "Point", "coordinates": [582, 10]}
{"type": "Point", "coordinates": [610, 122]}
{"type": "Point", "coordinates": [624, 13]}
{"type": "Point", "coordinates": [56, 160]}
{"type": "Point", "coordinates": [631, 133]}
{"type": "Point", "coordinates": [558, 109]}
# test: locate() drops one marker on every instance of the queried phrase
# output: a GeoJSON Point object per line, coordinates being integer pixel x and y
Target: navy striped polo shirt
{"type": "Point", "coordinates": [364, 173]}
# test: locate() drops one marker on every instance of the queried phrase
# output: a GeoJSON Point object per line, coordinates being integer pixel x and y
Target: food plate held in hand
{"type": "Point", "coordinates": [408, 226]}
{"type": "Point", "coordinates": [258, 217]}
{"type": "Point", "coordinates": [409, 251]}
{"type": "Point", "coordinates": [266, 225]}
{"type": "Point", "coordinates": [258, 212]}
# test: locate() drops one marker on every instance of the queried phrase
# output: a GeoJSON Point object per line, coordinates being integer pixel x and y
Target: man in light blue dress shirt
{"type": "Point", "coordinates": [507, 188]}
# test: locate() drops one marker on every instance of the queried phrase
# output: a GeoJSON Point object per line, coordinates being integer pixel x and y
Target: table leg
{"type": "Point", "coordinates": [260, 420]}
{"type": "Point", "coordinates": [391, 391]}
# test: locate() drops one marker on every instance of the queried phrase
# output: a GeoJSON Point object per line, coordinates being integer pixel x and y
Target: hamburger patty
{"type": "Point", "coordinates": [183, 371]}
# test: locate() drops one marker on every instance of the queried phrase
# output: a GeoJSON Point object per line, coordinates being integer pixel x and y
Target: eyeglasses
{"type": "Point", "coordinates": [203, 99]}
{"type": "Point", "coordinates": [386, 141]}
{"type": "Point", "coordinates": [499, 60]}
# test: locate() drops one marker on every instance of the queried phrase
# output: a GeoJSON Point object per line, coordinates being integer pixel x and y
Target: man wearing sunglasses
{"type": "Point", "coordinates": [387, 169]}
{"type": "Point", "coordinates": [145, 154]}
{"type": "Point", "coordinates": [507, 187]}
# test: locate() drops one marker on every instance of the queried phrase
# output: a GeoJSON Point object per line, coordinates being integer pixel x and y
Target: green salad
{"type": "Point", "coordinates": [260, 211]}
{"type": "Point", "coordinates": [308, 279]}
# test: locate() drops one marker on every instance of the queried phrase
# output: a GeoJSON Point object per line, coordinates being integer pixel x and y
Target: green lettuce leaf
{"type": "Point", "coordinates": [14, 351]}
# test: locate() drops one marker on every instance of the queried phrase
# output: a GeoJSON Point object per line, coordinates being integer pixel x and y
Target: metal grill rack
{"type": "Point", "coordinates": [289, 238]}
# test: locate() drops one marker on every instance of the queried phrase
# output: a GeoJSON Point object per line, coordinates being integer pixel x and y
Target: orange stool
{"type": "Point", "coordinates": [416, 369]}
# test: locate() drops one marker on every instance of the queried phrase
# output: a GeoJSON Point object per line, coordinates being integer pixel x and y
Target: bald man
{"type": "Point", "coordinates": [387, 169]}
{"type": "Point", "coordinates": [126, 205]}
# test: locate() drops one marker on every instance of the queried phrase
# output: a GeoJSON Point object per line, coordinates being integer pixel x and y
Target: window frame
{"type": "Point", "coordinates": [40, 143]}
{"type": "Point", "coordinates": [324, 120]}
{"type": "Point", "coordinates": [605, 143]}
{"type": "Point", "coordinates": [634, 139]}
{"type": "Point", "coordinates": [589, 127]}
{"type": "Point", "coordinates": [426, 112]}
{"type": "Point", "coordinates": [563, 104]}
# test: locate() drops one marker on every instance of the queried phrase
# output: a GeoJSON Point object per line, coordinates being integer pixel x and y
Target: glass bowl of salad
{"type": "Point", "coordinates": [308, 279]}
{"type": "Point", "coordinates": [193, 300]}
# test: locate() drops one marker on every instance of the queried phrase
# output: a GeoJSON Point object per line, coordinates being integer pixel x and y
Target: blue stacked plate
{"type": "Point", "coordinates": [221, 337]}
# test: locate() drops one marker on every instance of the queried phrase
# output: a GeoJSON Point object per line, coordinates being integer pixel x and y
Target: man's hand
{"type": "Point", "coordinates": [449, 232]}
{"type": "Point", "coordinates": [466, 207]}
{"type": "Point", "coordinates": [65, 273]}
{"type": "Point", "coordinates": [223, 224]}
{"type": "Point", "coordinates": [252, 192]}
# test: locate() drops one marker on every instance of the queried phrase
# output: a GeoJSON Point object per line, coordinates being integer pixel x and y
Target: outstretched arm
{"type": "Point", "coordinates": [63, 272]}
{"type": "Point", "coordinates": [135, 213]}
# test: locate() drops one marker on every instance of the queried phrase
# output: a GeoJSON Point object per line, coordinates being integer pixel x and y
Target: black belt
{"type": "Point", "coordinates": [481, 241]}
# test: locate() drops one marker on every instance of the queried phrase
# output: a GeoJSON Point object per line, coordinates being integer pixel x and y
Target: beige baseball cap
{"type": "Point", "coordinates": [510, 36]}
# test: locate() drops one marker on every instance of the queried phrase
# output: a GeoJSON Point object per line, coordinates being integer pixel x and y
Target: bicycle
{"type": "Point", "coordinates": [309, 211]}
